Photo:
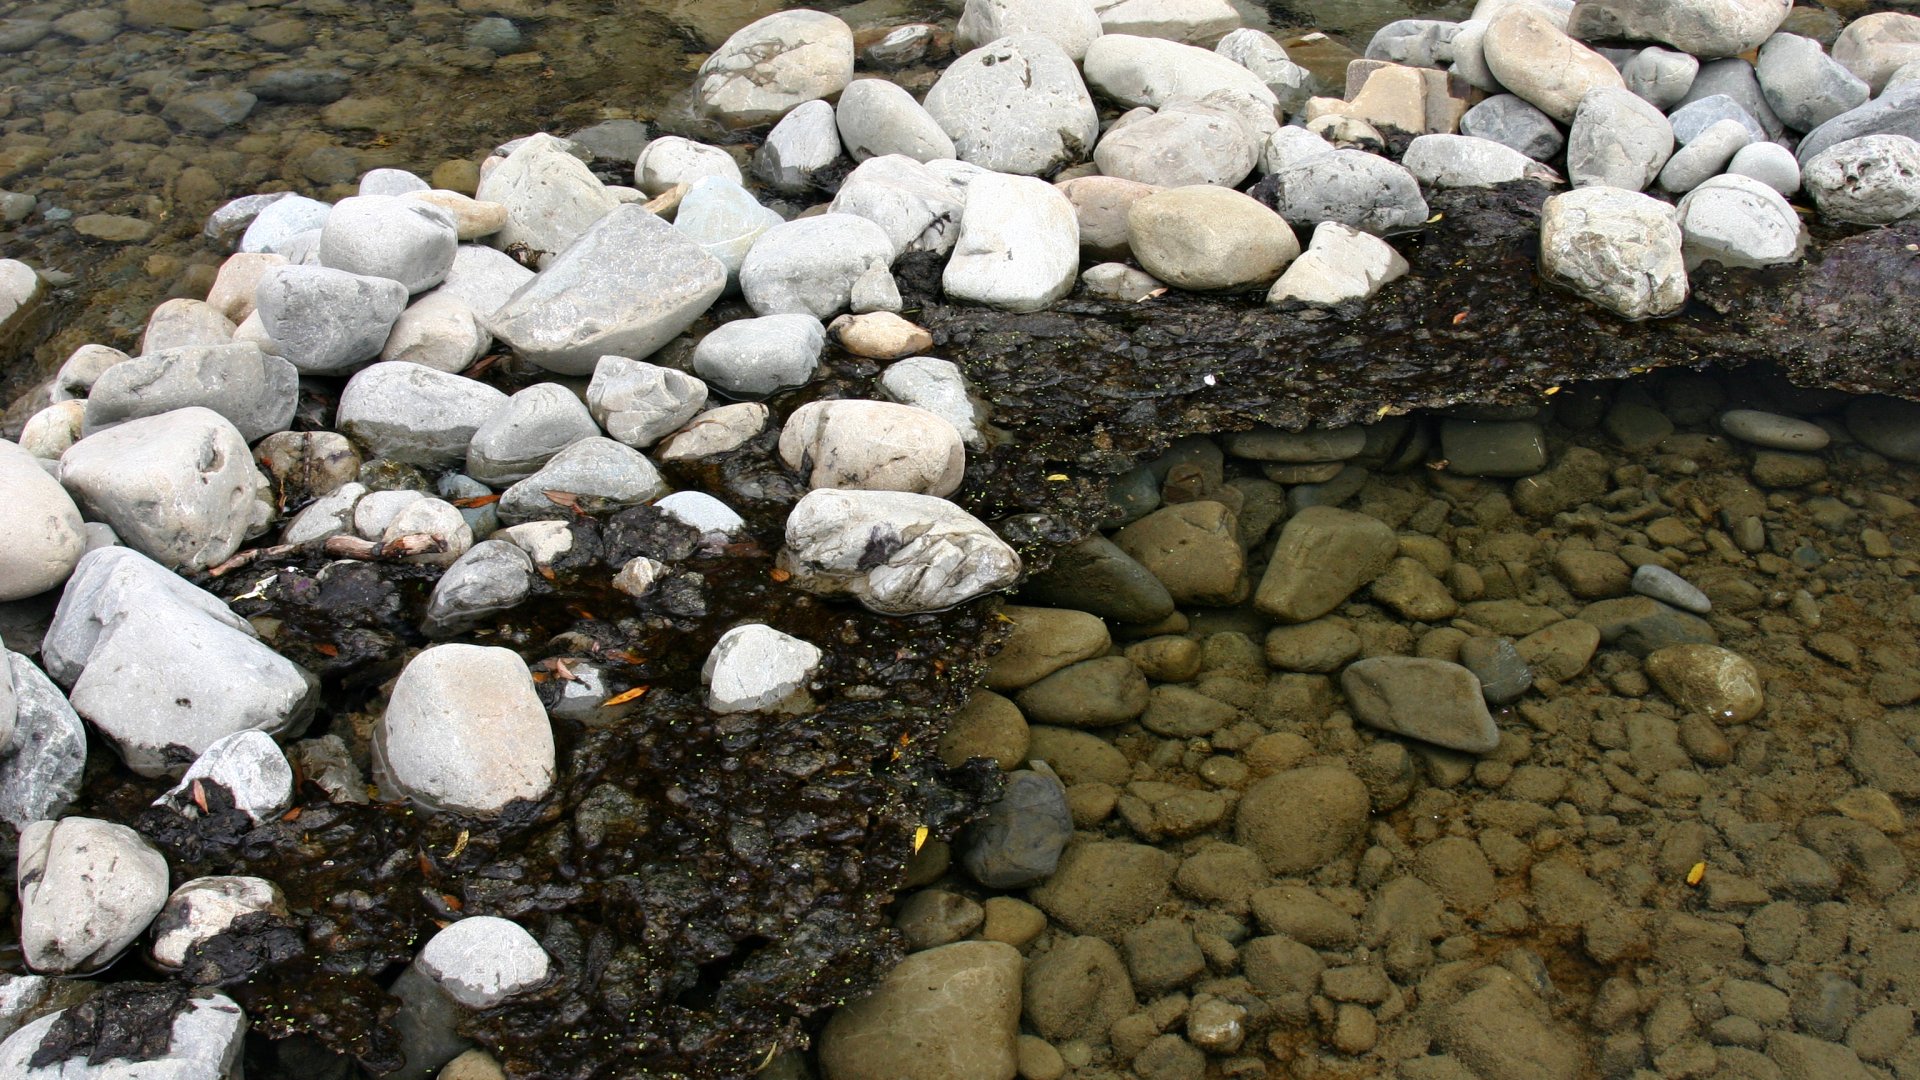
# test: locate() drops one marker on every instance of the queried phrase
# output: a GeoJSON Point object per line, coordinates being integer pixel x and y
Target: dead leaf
{"type": "Point", "coordinates": [476, 502]}
{"type": "Point", "coordinates": [624, 697]}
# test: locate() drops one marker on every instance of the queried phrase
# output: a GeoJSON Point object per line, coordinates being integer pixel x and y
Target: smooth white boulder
{"type": "Point", "coordinates": [249, 765]}
{"type": "Point", "coordinates": [1340, 264]}
{"type": "Point", "coordinates": [482, 960]}
{"type": "Point", "coordinates": [1872, 180]}
{"type": "Point", "coordinates": [1019, 245]}
{"type": "Point", "coordinates": [809, 265]}
{"type": "Point", "coordinates": [537, 423]}
{"type": "Point", "coordinates": [1155, 71]}
{"type": "Point", "coordinates": [896, 552]}
{"type": "Point", "coordinates": [1072, 24]}
{"type": "Point", "coordinates": [254, 390]}
{"type": "Point", "coordinates": [873, 446]}
{"type": "Point", "coordinates": [596, 475]}
{"type": "Point", "coordinates": [672, 160]}
{"type": "Point", "coordinates": [326, 321]}
{"type": "Point", "coordinates": [756, 668]}
{"type": "Point", "coordinates": [1700, 27]}
{"type": "Point", "coordinates": [407, 240]}
{"type": "Point", "coordinates": [464, 731]}
{"type": "Point", "coordinates": [551, 198]}
{"type": "Point", "coordinates": [752, 358]}
{"type": "Point", "coordinates": [1533, 58]}
{"type": "Point", "coordinates": [724, 219]}
{"type": "Point", "coordinates": [877, 117]}
{"type": "Point", "coordinates": [439, 330]}
{"type": "Point", "coordinates": [640, 403]}
{"type": "Point", "coordinates": [415, 414]}
{"type": "Point", "coordinates": [1739, 221]}
{"type": "Point", "coordinates": [1618, 140]}
{"type": "Point", "coordinates": [773, 64]}
{"type": "Point", "coordinates": [803, 144]}
{"type": "Point", "coordinates": [88, 889]}
{"type": "Point", "coordinates": [1620, 249]}
{"type": "Point", "coordinates": [206, 907]}
{"type": "Point", "coordinates": [916, 207]}
{"type": "Point", "coordinates": [46, 535]}
{"type": "Point", "coordinates": [46, 752]}
{"type": "Point", "coordinates": [1016, 105]}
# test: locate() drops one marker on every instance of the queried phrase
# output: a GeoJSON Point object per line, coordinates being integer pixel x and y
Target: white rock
{"type": "Point", "coordinates": [1731, 77]}
{"type": "Point", "coordinates": [1121, 283]}
{"type": "Point", "coordinates": [390, 237]}
{"type": "Point", "coordinates": [1700, 27]}
{"type": "Point", "coordinates": [483, 278]}
{"type": "Point", "coordinates": [1204, 237]}
{"type": "Point", "coordinates": [376, 510]}
{"type": "Point", "coordinates": [239, 276]}
{"type": "Point", "coordinates": [1689, 121]}
{"type": "Point", "coordinates": [1618, 140]}
{"type": "Point", "coordinates": [1770, 163]}
{"type": "Point", "coordinates": [1291, 146]}
{"type": "Point", "coordinates": [712, 517]}
{"type": "Point", "coordinates": [802, 144]}
{"type": "Point", "coordinates": [1154, 72]}
{"type": "Point", "coordinates": [1534, 59]}
{"type": "Point", "coordinates": [255, 391]}
{"type": "Point", "coordinates": [1415, 42]}
{"type": "Point", "coordinates": [206, 907]}
{"type": "Point", "coordinates": [755, 668]}
{"type": "Point", "coordinates": [1739, 221]}
{"type": "Point", "coordinates": [434, 518]}
{"type": "Point", "coordinates": [716, 431]}
{"type": "Point", "coordinates": [49, 432]}
{"type": "Point", "coordinates": [106, 586]}
{"type": "Point", "coordinates": [440, 331]}
{"type": "Point", "coordinates": [464, 731]}
{"type": "Point", "coordinates": [329, 515]}
{"type": "Point", "coordinates": [1873, 180]}
{"type": "Point", "coordinates": [638, 576]}
{"type": "Point", "coordinates": [551, 198]}
{"type": "Point", "coordinates": [280, 221]}
{"type": "Point", "coordinates": [325, 321]}
{"type": "Point", "coordinates": [1804, 86]}
{"type": "Point", "coordinates": [1352, 187]}
{"type": "Point", "coordinates": [809, 265]}
{"type": "Point", "coordinates": [491, 577]}
{"type": "Point", "coordinates": [179, 322]}
{"type": "Point", "coordinates": [537, 423]}
{"type": "Point", "coordinates": [545, 542]}
{"type": "Point", "coordinates": [601, 475]}
{"type": "Point", "coordinates": [1874, 46]}
{"type": "Point", "coordinates": [877, 117]}
{"type": "Point", "coordinates": [1895, 112]}
{"type": "Point", "coordinates": [630, 284]}
{"type": "Point", "coordinates": [757, 357]}
{"type": "Point", "coordinates": [249, 765]}
{"type": "Point", "coordinates": [87, 363]}
{"type": "Point", "coordinates": [769, 66]}
{"type": "Point", "coordinates": [916, 207]}
{"type": "Point", "coordinates": [1620, 249]}
{"type": "Point", "coordinates": [896, 552]}
{"type": "Point", "coordinates": [724, 219]}
{"type": "Point", "coordinates": [1340, 264]}
{"type": "Point", "coordinates": [873, 446]}
{"type": "Point", "coordinates": [1196, 22]}
{"type": "Point", "coordinates": [87, 890]}
{"type": "Point", "coordinates": [671, 160]}
{"type": "Point", "coordinates": [46, 754]}
{"type": "Point", "coordinates": [1016, 105]}
{"type": "Point", "coordinates": [205, 1043]}
{"type": "Point", "coordinates": [1259, 53]}
{"type": "Point", "coordinates": [1182, 144]}
{"type": "Point", "coordinates": [231, 219]}
{"type": "Point", "coordinates": [180, 487]}
{"type": "Point", "coordinates": [45, 538]}
{"type": "Point", "coordinates": [483, 960]}
{"type": "Point", "coordinates": [1464, 161]}
{"type": "Point", "coordinates": [1072, 24]}
{"type": "Point", "coordinates": [1019, 245]}
{"type": "Point", "coordinates": [640, 403]}
{"type": "Point", "coordinates": [391, 182]}
{"type": "Point", "coordinates": [1707, 155]}
{"type": "Point", "coordinates": [874, 290]}
{"type": "Point", "coordinates": [415, 414]}
{"type": "Point", "coordinates": [1660, 77]}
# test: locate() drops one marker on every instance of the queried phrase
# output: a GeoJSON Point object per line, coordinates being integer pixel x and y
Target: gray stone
{"type": "Point", "coordinates": [482, 960]}
{"type": "Point", "coordinates": [1774, 431]}
{"type": "Point", "coordinates": [386, 236]}
{"type": "Point", "coordinates": [1496, 661]}
{"type": "Point", "coordinates": [1118, 281]}
{"type": "Point", "coordinates": [392, 181]}
{"type": "Point", "coordinates": [415, 414]}
{"type": "Point", "coordinates": [490, 577]}
{"type": "Point", "coordinates": [1196, 21]}
{"type": "Point", "coordinates": [1019, 839]}
{"type": "Point", "coordinates": [1419, 42]}
{"type": "Point", "coordinates": [1508, 120]}
{"type": "Point", "coordinates": [1661, 77]}
{"type": "Point", "coordinates": [1533, 58]}
{"type": "Point", "coordinates": [804, 143]}
{"type": "Point", "coordinates": [1072, 24]}
{"type": "Point", "coordinates": [1770, 163]}
{"type": "Point", "coordinates": [1018, 248]}
{"type": "Point", "coordinates": [1442, 160]}
{"type": "Point", "coordinates": [1617, 140]}
{"type": "Point", "coordinates": [630, 284]}
{"type": "Point", "coordinates": [1493, 447]}
{"type": "Point", "coordinates": [1181, 144]}
{"type": "Point", "coordinates": [876, 117]}
{"type": "Point", "coordinates": [715, 431]}
{"type": "Point", "coordinates": [1352, 187]}
{"type": "Point", "coordinates": [551, 197]}
{"type": "Point", "coordinates": [483, 278]}
{"type": "Point", "coordinates": [750, 358]}
{"type": "Point", "coordinates": [42, 760]}
{"type": "Point", "coordinates": [1738, 221]}
{"type": "Point", "coordinates": [180, 322]}
{"type": "Point", "coordinates": [1341, 264]}
{"type": "Point", "coordinates": [1734, 78]}
{"type": "Point", "coordinates": [640, 403]}
{"type": "Point", "coordinates": [230, 220]}
{"type": "Point", "coordinates": [809, 265]}
{"type": "Point", "coordinates": [1323, 556]}
{"type": "Point", "coordinates": [464, 731]}
{"type": "Point", "coordinates": [1873, 180]}
{"type": "Point", "coordinates": [376, 510]}
{"type": "Point", "coordinates": [1896, 112]}
{"type": "Point", "coordinates": [1689, 121]}
{"type": "Point", "coordinates": [46, 538]}
{"type": "Point", "coordinates": [938, 387]}
{"type": "Point", "coordinates": [1430, 700]}
{"type": "Point", "coordinates": [88, 888]}
{"type": "Point", "coordinates": [602, 475]}
{"type": "Point", "coordinates": [1015, 105]}
{"type": "Point", "coordinates": [1097, 577]}
{"type": "Point", "coordinates": [326, 321]}
{"type": "Point", "coordinates": [896, 552]}
{"type": "Point", "coordinates": [724, 219]}
{"type": "Point", "coordinates": [248, 765]}
{"type": "Point", "coordinates": [774, 64]}
{"type": "Point", "coordinates": [1874, 46]}
{"type": "Point", "coordinates": [716, 520]}
{"type": "Point", "coordinates": [255, 391]}
{"type": "Point", "coordinates": [755, 668]}
{"type": "Point", "coordinates": [1154, 72]}
{"type": "Point", "coordinates": [82, 369]}
{"type": "Point", "coordinates": [1700, 27]}
{"type": "Point", "coordinates": [1301, 819]}
{"type": "Point", "coordinates": [206, 907]}
{"type": "Point", "coordinates": [180, 487]}
{"type": "Point", "coordinates": [537, 423]}
{"type": "Point", "coordinates": [1805, 86]}
{"type": "Point", "coordinates": [274, 223]}
{"type": "Point", "coordinates": [1290, 146]}
{"type": "Point", "coordinates": [209, 112]}
{"type": "Point", "coordinates": [873, 446]}
{"type": "Point", "coordinates": [1290, 83]}
{"type": "Point", "coordinates": [1668, 587]}
{"type": "Point", "coordinates": [668, 162]}
{"type": "Point", "coordinates": [204, 1043]}
{"type": "Point", "coordinates": [917, 208]}
{"type": "Point", "coordinates": [440, 331]}
{"type": "Point", "coordinates": [1619, 249]}
{"type": "Point", "coordinates": [1705, 157]}
{"type": "Point", "coordinates": [432, 519]}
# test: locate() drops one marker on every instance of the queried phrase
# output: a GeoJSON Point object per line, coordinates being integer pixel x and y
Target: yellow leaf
{"type": "Point", "coordinates": [1057, 477]}
{"type": "Point", "coordinates": [919, 839]}
{"type": "Point", "coordinates": [622, 699]}
{"type": "Point", "coordinates": [1435, 218]}
{"type": "Point", "coordinates": [460, 844]}
{"type": "Point", "coordinates": [1698, 874]}
{"type": "Point", "coordinates": [1552, 390]}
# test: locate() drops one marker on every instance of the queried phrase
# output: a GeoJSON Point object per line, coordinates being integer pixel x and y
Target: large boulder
{"type": "Point", "coordinates": [326, 321]}
{"type": "Point", "coordinates": [809, 266]}
{"type": "Point", "coordinates": [551, 198]}
{"type": "Point", "coordinates": [1534, 59]}
{"type": "Point", "coordinates": [774, 64]}
{"type": "Point", "coordinates": [1072, 24]}
{"type": "Point", "coordinates": [897, 552]}
{"type": "Point", "coordinates": [88, 889]}
{"type": "Point", "coordinates": [1155, 71]}
{"type": "Point", "coordinates": [1355, 188]}
{"type": "Point", "coordinates": [1019, 245]}
{"type": "Point", "coordinates": [1187, 142]}
{"type": "Point", "coordinates": [255, 390]}
{"type": "Point", "coordinates": [464, 731]}
{"type": "Point", "coordinates": [47, 536]}
{"type": "Point", "coordinates": [1700, 27]}
{"type": "Point", "coordinates": [46, 752]}
{"type": "Point", "coordinates": [873, 446]}
{"type": "Point", "coordinates": [1619, 249]}
{"type": "Point", "coordinates": [877, 117]}
{"type": "Point", "coordinates": [918, 208]}
{"type": "Point", "coordinates": [1872, 180]}
{"type": "Point", "coordinates": [1739, 221]}
{"type": "Point", "coordinates": [415, 414]}
{"type": "Point", "coordinates": [389, 236]}
{"type": "Point", "coordinates": [1016, 105]}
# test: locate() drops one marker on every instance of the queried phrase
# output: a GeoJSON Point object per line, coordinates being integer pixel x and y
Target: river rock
{"type": "Point", "coordinates": [1419, 42]}
{"type": "Point", "coordinates": [1704, 157]}
{"type": "Point", "coordinates": [1708, 679]}
{"type": "Point", "coordinates": [49, 432]}
{"type": "Point", "coordinates": [1442, 160]}
{"type": "Point", "coordinates": [938, 387]}
{"type": "Point", "coordinates": [1668, 587]}
{"type": "Point", "coordinates": [1018, 248]}
{"type": "Point", "coordinates": [879, 335]}
{"type": "Point", "coordinates": [1199, 22]}
{"type": "Point", "coordinates": [946, 1013]}
{"type": "Point", "coordinates": [42, 762]}
{"type": "Point", "coordinates": [1534, 59]}
{"type": "Point", "coordinates": [414, 414]}
{"type": "Point", "coordinates": [180, 487]}
{"type": "Point", "coordinates": [1290, 83]}
{"type": "Point", "coordinates": [1019, 839]}
{"type": "Point", "coordinates": [206, 907]}
{"type": "Point", "coordinates": [1617, 140]}
{"type": "Point", "coordinates": [472, 219]}
{"type": "Point", "coordinates": [1876, 45]}
{"type": "Point", "coordinates": [82, 369]}
{"type": "Point", "coordinates": [802, 145]}
{"type": "Point", "coordinates": [715, 431]}
{"type": "Point", "coordinates": [551, 197]}
{"type": "Point", "coordinates": [1323, 556]}
{"type": "Point", "coordinates": [750, 358]}
{"type": "Point", "coordinates": [1774, 431]}
{"type": "Point", "coordinates": [1738, 221]}
{"type": "Point", "coordinates": [1355, 188]}
{"type": "Point", "coordinates": [205, 1041]}
{"type": "Point", "coordinates": [1430, 700]}
{"type": "Point", "coordinates": [276, 223]}
{"type": "Point", "coordinates": [1204, 237]}
{"type": "Point", "coordinates": [439, 331]}
{"type": "Point", "coordinates": [640, 403]}
{"type": "Point", "coordinates": [1106, 886]}
{"type": "Point", "coordinates": [1896, 112]}
{"type": "Point", "coordinates": [1301, 819]}
{"type": "Point", "coordinates": [517, 440]}
{"type": "Point", "coordinates": [249, 765]}
{"type": "Point", "coordinates": [490, 577]}
{"type": "Point", "coordinates": [1700, 27]}
{"type": "Point", "coordinates": [327, 321]}
{"type": "Point", "coordinates": [917, 208]}
{"type": "Point", "coordinates": [601, 474]}
{"type": "Point", "coordinates": [1155, 72]}
{"type": "Point", "coordinates": [1770, 163]}
{"type": "Point", "coordinates": [1659, 76]}
{"type": "Point", "coordinates": [896, 552]}
{"type": "Point", "coordinates": [1620, 249]}
{"type": "Point", "coordinates": [873, 446]}
{"type": "Point", "coordinates": [724, 219]}
{"type": "Point", "coordinates": [1100, 204]}
{"type": "Point", "coordinates": [1015, 105]}
{"type": "Point", "coordinates": [255, 391]}
{"type": "Point", "coordinates": [386, 236]}
{"type": "Point", "coordinates": [755, 668]}
{"type": "Point", "coordinates": [1874, 180]}
{"type": "Point", "coordinates": [670, 161]}
{"type": "Point", "coordinates": [773, 64]}
{"type": "Point", "coordinates": [809, 265]}
{"type": "Point", "coordinates": [1183, 143]}
{"type": "Point", "coordinates": [877, 117]}
{"type": "Point", "coordinates": [1804, 86]}
{"type": "Point", "coordinates": [1508, 120]}
{"type": "Point", "coordinates": [464, 731]}
{"type": "Point", "coordinates": [630, 284]}
{"type": "Point", "coordinates": [1193, 548]}
{"type": "Point", "coordinates": [181, 321]}
{"type": "Point", "coordinates": [88, 889]}
{"type": "Point", "coordinates": [1072, 24]}
{"type": "Point", "coordinates": [47, 537]}
{"type": "Point", "coordinates": [482, 960]}
{"type": "Point", "coordinates": [1732, 77]}
{"type": "Point", "coordinates": [483, 278]}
